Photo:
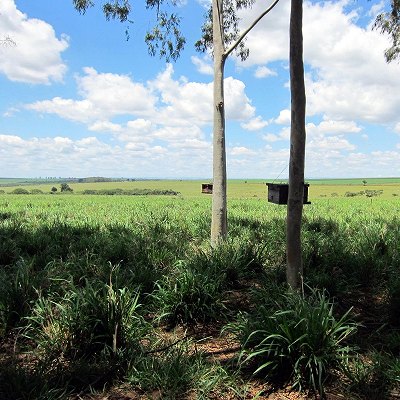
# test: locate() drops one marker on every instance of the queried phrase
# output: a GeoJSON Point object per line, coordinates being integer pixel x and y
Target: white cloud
{"type": "Point", "coordinates": [264, 72]}
{"type": "Point", "coordinates": [241, 151]}
{"type": "Point", "coordinates": [284, 117]}
{"type": "Point", "coordinates": [194, 144]}
{"type": "Point", "coordinates": [203, 65]}
{"type": "Point", "coordinates": [349, 78]}
{"type": "Point", "coordinates": [74, 110]}
{"type": "Point", "coordinates": [271, 137]}
{"type": "Point", "coordinates": [331, 127]}
{"type": "Point", "coordinates": [105, 126]}
{"type": "Point", "coordinates": [376, 9]}
{"type": "Point", "coordinates": [330, 143]}
{"type": "Point", "coordinates": [36, 57]}
{"type": "Point", "coordinates": [238, 105]}
{"type": "Point", "coordinates": [191, 102]}
{"type": "Point", "coordinates": [397, 128]}
{"type": "Point", "coordinates": [105, 96]}
{"type": "Point", "coordinates": [53, 156]}
{"type": "Point", "coordinates": [115, 94]}
{"type": "Point", "coordinates": [274, 26]}
{"type": "Point", "coordinates": [283, 135]}
{"type": "Point", "coordinates": [11, 111]}
{"type": "Point", "coordinates": [255, 124]}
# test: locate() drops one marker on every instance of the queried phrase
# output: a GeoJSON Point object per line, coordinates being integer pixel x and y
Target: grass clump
{"type": "Point", "coordinates": [89, 334]}
{"type": "Point", "coordinates": [196, 291]}
{"type": "Point", "coordinates": [297, 339]}
{"type": "Point", "coordinates": [176, 372]}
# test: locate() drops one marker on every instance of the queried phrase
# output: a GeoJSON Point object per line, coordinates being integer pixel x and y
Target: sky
{"type": "Point", "coordinates": [78, 99]}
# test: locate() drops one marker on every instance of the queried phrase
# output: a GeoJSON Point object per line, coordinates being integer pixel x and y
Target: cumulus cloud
{"type": "Point", "coordinates": [105, 95]}
{"type": "Point", "coordinates": [186, 102]}
{"type": "Point", "coordinates": [348, 77]}
{"type": "Point", "coordinates": [283, 118]}
{"type": "Point", "coordinates": [36, 56]}
{"type": "Point", "coordinates": [165, 108]}
{"type": "Point", "coordinates": [202, 65]}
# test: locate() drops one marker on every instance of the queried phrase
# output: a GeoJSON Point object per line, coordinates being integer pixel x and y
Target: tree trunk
{"type": "Point", "coordinates": [294, 271]}
{"type": "Point", "coordinates": [219, 203]}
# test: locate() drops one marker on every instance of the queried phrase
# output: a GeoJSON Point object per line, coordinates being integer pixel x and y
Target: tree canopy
{"type": "Point", "coordinates": [165, 38]}
{"type": "Point", "coordinates": [389, 22]}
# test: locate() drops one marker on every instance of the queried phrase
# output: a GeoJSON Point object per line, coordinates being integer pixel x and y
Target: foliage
{"type": "Point", "coordinates": [165, 37]}
{"type": "Point", "coordinates": [196, 290]}
{"type": "Point", "coordinates": [96, 319]}
{"type": "Point", "coordinates": [17, 292]}
{"type": "Point", "coordinates": [300, 336]}
{"type": "Point", "coordinates": [189, 298]}
{"type": "Point", "coordinates": [230, 28]}
{"type": "Point", "coordinates": [20, 191]}
{"type": "Point", "coordinates": [36, 191]}
{"type": "Point", "coordinates": [64, 187]}
{"type": "Point", "coordinates": [389, 22]}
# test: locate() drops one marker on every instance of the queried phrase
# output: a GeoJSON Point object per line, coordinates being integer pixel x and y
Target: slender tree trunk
{"type": "Point", "coordinates": [294, 272]}
{"type": "Point", "coordinates": [219, 203]}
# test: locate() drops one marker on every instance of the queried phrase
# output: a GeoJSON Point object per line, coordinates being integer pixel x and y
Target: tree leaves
{"type": "Point", "coordinates": [389, 22]}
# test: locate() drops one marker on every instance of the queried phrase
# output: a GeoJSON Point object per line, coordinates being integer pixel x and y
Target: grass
{"type": "Point", "coordinates": [101, 292]}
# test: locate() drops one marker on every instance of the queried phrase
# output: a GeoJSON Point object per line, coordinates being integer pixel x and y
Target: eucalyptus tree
{"type": "Point", "coordinates": [221, 35]}
{"type": "Point", "coordinates": [294, 267]}
{"type": "Point", "coordinates": [389, 22]}
{"type": "Point", "coordinates": [165, 38]}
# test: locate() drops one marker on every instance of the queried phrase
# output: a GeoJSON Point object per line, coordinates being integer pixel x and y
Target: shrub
{"type": "Point", "coordinates": [64, 187]}
{"type": "Point", "coordinates": [19, 191]}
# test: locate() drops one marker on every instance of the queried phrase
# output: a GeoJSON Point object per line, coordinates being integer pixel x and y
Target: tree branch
{"type": "Point", "coordinates": [243, 35]}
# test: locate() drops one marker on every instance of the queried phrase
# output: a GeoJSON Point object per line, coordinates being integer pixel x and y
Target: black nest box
{"type": "Point", "coordinates": [278, 193]}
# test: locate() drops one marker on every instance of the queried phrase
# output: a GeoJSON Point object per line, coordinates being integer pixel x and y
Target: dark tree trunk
{"type": "Point", "coordinates": [294, 271]}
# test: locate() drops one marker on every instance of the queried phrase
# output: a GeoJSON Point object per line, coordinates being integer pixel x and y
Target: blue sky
{"type": "Point", "coordinates": [78, 99]}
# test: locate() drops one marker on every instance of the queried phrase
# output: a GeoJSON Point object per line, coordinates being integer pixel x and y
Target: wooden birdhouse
{"type": "Point", "coordinates": [207, 188]}
{"type": "Point", "coordinates": [278, 193]}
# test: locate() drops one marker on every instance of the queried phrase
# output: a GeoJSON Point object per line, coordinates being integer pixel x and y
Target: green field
{"type": "Point", "coordinates": [113, 296]}
{"type": "Point", "coordinates": [390, 187]}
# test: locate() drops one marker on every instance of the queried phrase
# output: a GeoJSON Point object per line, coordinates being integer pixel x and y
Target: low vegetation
{"type": "Point", "coordinates": [102, 297]}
